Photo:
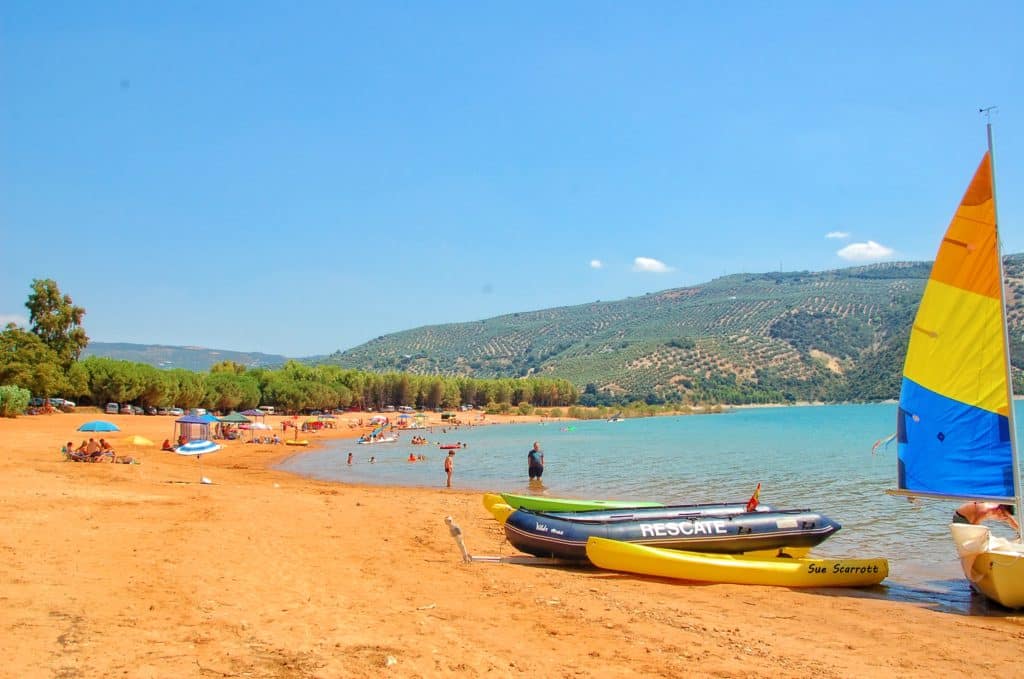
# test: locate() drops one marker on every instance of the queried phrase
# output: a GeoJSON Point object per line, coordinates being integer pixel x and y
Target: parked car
{"type": "Point", "coordinates": [36, 402]}
{"type": "Point", "coordinates": [163, 411]}
{"type": "Point", "coordinates": [112, 409]}
{"type": "Point", "coordinates": [151, 410]}
{"type": "Point", "coordinates": [136, 410]}
{"type": "Point", "coordinates": [126, 409]}
{"type": "Point", "coordinates": [177, 412]}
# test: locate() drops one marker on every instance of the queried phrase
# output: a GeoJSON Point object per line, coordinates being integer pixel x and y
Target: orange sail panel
{"type": "Point", "coordinates": [968, 255]}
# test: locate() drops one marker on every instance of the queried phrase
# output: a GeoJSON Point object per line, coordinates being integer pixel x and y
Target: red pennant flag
{"type": "Point", "coordinates": [752, 502]}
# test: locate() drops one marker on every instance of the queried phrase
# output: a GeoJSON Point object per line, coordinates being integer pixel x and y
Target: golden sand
{"type": "Point", "coordinates": [140, 571]}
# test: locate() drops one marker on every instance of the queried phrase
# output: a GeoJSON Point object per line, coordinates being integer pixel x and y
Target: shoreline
{"type": "Point", "coordinates": [140, 570]}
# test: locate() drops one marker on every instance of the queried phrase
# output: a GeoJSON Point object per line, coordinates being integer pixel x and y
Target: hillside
{"type": "Point", "coordinates": [190, 358]}
{"type": "Point", "coordinates": [832, 335]}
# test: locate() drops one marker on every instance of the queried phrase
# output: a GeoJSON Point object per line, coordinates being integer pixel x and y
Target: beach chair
{"type": "Point", "coordinates": [72, 456]}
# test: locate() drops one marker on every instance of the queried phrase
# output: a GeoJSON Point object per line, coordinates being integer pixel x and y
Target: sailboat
{"type": "Point", "coordinates": [955, 430]}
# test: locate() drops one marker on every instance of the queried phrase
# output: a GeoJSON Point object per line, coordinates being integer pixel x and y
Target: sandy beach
{"type": "Point", "coordinates": [140, 571]}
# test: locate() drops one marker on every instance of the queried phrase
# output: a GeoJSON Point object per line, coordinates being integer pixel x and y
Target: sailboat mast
{"type": "Point", "coordinates": [1018, 500]}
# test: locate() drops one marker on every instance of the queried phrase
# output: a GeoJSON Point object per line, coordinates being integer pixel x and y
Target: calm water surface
{"type": "Point", "coordinates": [813, 457]}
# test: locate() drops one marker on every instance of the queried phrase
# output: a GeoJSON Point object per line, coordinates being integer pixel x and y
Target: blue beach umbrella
{"type": "Point", "coordinates": [99, 425]}
{"type": "Point", "coordinates": [198, 448]}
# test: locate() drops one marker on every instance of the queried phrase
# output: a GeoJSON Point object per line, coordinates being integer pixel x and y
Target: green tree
{"type": "Point", "coordinates": [13, 400]}
{"type": "Point", "coordinates": [55, 319]}
{"type": "Point", "coordinates": [27, 362]}
{"type": "Point", "coordinates": [228, 367]}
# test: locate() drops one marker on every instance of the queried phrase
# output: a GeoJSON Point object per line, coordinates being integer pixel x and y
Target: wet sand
{"type": "Point", "coordinates": [140, 571]}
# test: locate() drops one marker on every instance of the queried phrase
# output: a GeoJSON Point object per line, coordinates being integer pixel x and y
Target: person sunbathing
{"type": "Point", "coordinates": [167, 445]}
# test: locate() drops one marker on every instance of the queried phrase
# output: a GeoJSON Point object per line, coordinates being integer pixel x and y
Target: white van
{"type": "Point", "coordinates": [269, 410]}
{"type": "Point", "coordinates": [112, 409]}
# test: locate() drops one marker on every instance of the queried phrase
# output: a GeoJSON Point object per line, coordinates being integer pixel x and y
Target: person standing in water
{"type": "Point", "coordinates": [449, 466]}
{"type": "Point", "coordinates": [535, 462]}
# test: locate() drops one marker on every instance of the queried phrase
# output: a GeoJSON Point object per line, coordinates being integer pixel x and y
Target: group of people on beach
{"type": "Point", "coordinates": [94, 451]}
{"type": "Point", "coordinates": [90, 451]}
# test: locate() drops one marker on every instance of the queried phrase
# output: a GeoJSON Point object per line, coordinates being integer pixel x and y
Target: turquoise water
{"type": "Point", "coordinates": [808, 457]}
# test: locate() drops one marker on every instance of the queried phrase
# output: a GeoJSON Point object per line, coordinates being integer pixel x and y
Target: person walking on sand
{"type": "Point", "coordinates": [449, 466]}
{"type": "Point", "coordinates": [976, 512]}
{"type": "Point", "coordinates": [350, 458]}
{"type": "Point", "coordinates": [535, 462]}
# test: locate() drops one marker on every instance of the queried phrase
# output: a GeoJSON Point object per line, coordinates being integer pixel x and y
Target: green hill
{"type": "Point", "coordinates": [191, 358]}
{"type": "Point", "coordinates": [832, 335]}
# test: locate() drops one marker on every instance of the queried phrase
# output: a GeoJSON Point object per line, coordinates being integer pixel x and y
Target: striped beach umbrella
{"type": "Point", "coordinates": [197, 449]}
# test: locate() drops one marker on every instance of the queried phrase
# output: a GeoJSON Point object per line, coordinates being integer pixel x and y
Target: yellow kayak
{"type": "Point", "coordinates": [740, 569]}
{"type": "Point", "coordinates": [303, 442]}
{"type": "Point", "coordinates": [497, 506]}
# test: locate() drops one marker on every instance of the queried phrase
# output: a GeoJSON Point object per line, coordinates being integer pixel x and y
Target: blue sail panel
{"type": "Point", "coordinates": [950, 448]}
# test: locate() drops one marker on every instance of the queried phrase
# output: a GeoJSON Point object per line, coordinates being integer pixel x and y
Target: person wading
{"type": "Point", "coordinates": [535, 462]}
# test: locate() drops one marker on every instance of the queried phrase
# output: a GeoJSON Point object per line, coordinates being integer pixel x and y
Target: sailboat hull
{"type": "Point", "coordinates": [994, 566]}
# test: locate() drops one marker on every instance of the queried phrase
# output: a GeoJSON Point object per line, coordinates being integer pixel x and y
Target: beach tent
{"type": "Point", "coordinates": [192, 427]}
{"type": "Point", "coordinates": [254, 413]}
{"type": "Point", "coordinates": [235, 418]}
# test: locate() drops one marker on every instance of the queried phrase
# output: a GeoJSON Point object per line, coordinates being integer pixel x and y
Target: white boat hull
{"type": "Point", "coordinates": [993, 565]}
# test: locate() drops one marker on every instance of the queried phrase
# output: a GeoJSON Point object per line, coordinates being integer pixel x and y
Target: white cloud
{"type": "Point", "coordinates": [840, 235]}
{"type": "Point", "coordinates": [596, 264]}
{"type": "Point", "coordinates": [12, 318]}
{"type": "Point", "coordinates": [649, 265]}
{"type": "Point", "coordinates": [865, 252]}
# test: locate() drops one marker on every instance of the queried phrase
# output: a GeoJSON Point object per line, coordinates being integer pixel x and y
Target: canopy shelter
{"type": "Point", "coordinates": [255, 427]}
{"type": "Point", "coordinates": [254, 413]}
{"type": "Point", "coordinates": [192, 427]}
{"type": "Point", "coordinates": [235, 418]}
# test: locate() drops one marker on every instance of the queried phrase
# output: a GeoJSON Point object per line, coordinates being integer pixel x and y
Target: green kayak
{"type": "Point", "coordinates": [554, 504]}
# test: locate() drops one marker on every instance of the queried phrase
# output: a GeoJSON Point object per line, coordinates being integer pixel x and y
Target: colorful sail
{"type": "Point", "coordinates": [953, 429]}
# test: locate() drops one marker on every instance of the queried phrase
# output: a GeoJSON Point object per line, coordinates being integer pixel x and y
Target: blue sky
{"type": "Point", "coordinates": [298, 178]}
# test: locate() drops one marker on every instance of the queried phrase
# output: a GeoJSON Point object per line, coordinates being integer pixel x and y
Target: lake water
{"type": "Point", "coordinates": [806, 457]}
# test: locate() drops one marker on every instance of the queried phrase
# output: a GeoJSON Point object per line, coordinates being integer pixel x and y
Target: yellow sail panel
{"type": "Point", "coordinates": [956, 347]}
{"type": "Point", "coordinates": [968, 256]}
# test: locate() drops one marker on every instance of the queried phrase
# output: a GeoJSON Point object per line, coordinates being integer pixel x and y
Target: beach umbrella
{"type": "Point", "coordinates": [198, 448]}
{"type": "Point", "coordinates": [136, 441]}
{"type": "Point", "coordinates": [257, 426]}
{"type": "Point", "coordinates": [99, 425]}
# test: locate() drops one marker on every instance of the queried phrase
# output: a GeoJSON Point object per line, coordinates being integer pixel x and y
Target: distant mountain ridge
{"type": "Point", "coordinates": [763, 337]}
{"type": "Point", "coordinates": [191, 358]}
{"type": "Point", "coordinates": [832, 335]}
